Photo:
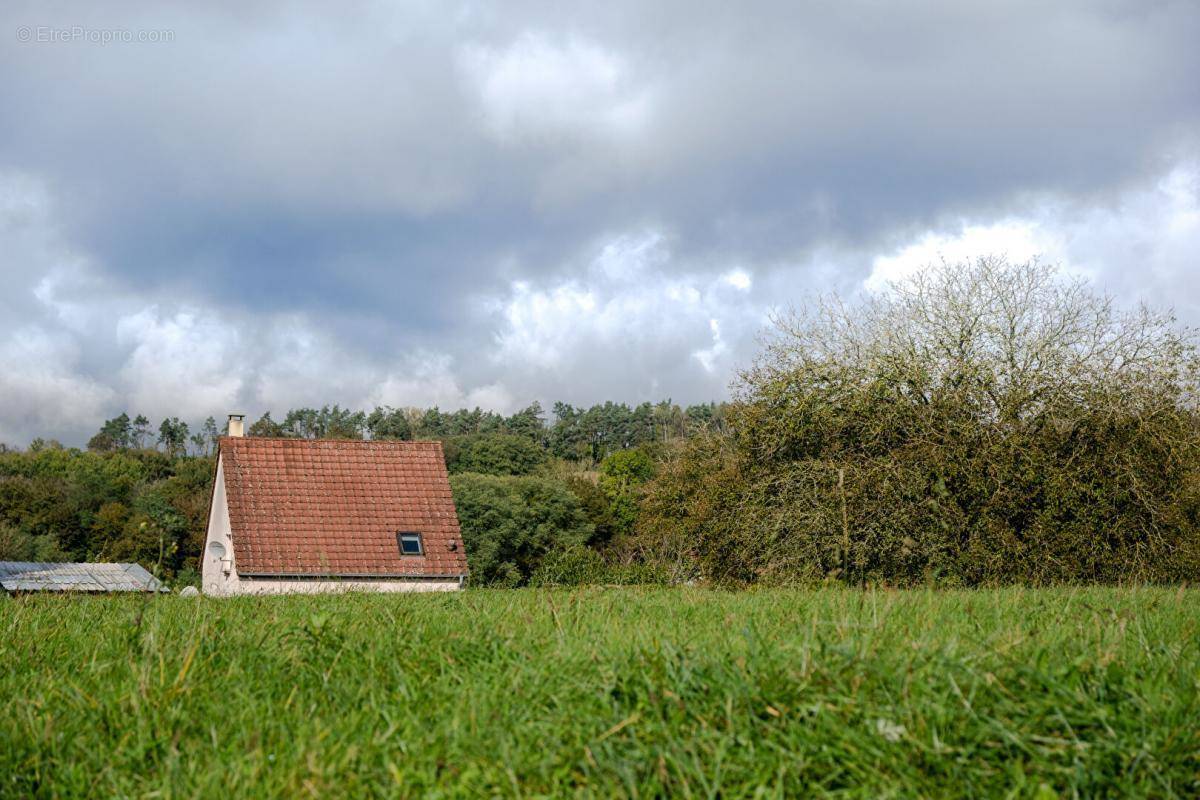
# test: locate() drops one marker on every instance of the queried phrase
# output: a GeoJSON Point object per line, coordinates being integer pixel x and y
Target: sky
{"type": "Point", "coordinates": [251, 207]}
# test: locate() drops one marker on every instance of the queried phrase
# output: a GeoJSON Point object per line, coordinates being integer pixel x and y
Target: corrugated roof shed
{"type": "Point", "coordinates": [33, 576]}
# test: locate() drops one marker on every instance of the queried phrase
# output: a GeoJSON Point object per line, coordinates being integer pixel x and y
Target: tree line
{"type": "Point", "coordinates": [525, 486]}
{"type": "Point", "coordinates": [573, 434]}
{"type": "Point", "coordinates": [174, 436]}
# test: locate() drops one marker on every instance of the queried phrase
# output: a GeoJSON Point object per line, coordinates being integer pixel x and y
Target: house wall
{"type": "Point", "coordinates": [213, 579]}
{"type": "Point", "coordinates": [222, 580]}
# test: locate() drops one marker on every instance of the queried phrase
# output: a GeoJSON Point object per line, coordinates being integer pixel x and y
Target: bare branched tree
{"type": "Point", "coordinates": [985, 421]}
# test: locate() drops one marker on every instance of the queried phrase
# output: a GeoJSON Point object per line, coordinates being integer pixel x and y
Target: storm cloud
{"type": "Point", "coordinates": [205, 210]}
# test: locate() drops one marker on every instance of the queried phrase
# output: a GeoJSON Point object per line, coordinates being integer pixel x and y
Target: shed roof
{"type": "Point", "coordinates": [39, 576]}
{"type": "Point", "coordinates": [311, 508]}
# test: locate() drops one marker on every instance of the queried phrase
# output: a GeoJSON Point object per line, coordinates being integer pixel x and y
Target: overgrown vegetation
{"type": "Point", "coordinates": [977, 424]}
{"type": "Point", "coordinates": [510, 524]}
{"type": "Point", "coordinates": [605, 693]}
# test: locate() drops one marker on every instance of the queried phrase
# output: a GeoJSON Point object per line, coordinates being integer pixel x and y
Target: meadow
{"type": "Point", "coordinates": [602, 692]}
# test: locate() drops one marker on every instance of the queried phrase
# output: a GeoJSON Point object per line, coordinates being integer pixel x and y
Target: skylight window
{"type": "Point", "coordinates": [410, 543]}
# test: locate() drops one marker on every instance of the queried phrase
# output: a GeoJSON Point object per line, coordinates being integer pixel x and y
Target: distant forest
{"type": "Point", "coordinates": [574, 434]}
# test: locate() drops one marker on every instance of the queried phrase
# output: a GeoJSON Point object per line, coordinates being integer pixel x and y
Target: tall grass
{"type": "Point", "coordinates": [617, 692]}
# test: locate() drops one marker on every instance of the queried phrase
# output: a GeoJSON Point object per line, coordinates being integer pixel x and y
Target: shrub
{"type": "Point", "coordinates": [981, 423]}
{"type": "Point", "coordinates": [136, 505]}
{"type": "Point", "coordinates": [187, 576]}
{"type": "Point", "coordinates": [685, 508]}
{"type": "Point", "coordinates": [581, 566]}
{"type": "Point", "coordinates": [596, 506]}
{"type": "Point", "coordinates": [570, 566]}
{"type": "Point", "coordinates": [622, 475]}
{"type": "Point", "coordinates": [17, 545]}
{"type": "Point", "coordinates": [509, 524]}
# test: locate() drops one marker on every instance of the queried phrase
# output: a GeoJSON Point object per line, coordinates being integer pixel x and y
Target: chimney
{"type": "Point", "coordinates": [236, 426]}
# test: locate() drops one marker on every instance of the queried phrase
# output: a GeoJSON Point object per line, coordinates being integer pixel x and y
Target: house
{"type": "Point", "coordinates": [301, 515]}
{"type": "Point", "coordinates": [36, 576]}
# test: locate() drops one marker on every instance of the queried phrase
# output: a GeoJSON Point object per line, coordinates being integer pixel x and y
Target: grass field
{"type": "Point", "coordinates": [603, 692]}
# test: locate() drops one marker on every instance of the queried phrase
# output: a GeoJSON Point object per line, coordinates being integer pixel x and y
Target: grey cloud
{"type": "Point", "coordinates": [388, 175]}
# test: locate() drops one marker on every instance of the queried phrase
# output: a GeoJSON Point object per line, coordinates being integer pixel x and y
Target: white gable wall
{"type": "Point", "coordinates": [214, 579]}
{"type": "Point", "coordinates": [219, 575]}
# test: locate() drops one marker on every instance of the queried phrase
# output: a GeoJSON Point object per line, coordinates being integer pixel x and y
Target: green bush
{"type": "Point", "coordinates": [570, 566]}
{"type": "Point", "coordinates": [17, 545]}
{"type": "Point", "coordinates": [510, 524]}
{"type": "Point", "coordinates": [596, 505]}
{"type": "Point", "coordinates": [188, 576]}
{"type": "Point", "coordinates": [582, 566]}
{"type": "Point", "coordinates": [622, 475]}
{"type": "Point", "coordinates": [982, 423]}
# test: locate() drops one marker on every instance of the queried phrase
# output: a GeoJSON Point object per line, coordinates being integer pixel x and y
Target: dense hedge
{"type": "Point", "coordinates": [982, 424]}
{"type": "Point", "coordinates": [510, 524]}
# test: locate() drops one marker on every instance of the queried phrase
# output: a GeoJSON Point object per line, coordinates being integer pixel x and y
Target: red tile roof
{"type": "Point", "coordinates": [325, 507]}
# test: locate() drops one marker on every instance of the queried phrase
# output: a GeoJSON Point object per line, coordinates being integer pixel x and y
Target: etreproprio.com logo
{"type": "Point", "coordinates": [50, 34]}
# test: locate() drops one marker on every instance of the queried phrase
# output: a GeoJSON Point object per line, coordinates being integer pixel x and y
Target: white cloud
{"type": "Point", "coordinates": [429, 380]}
{"type": "Point", "coordinates": [46, 386]}
{"type": "Point", "coordinates": [1144, 246]}
{"type": "Point", "coordinates": [43, 387]}
{"type": "Point", "coordinates": [738, 279]}
{"type": "Point", "coordinates": [194, 362]}
{"type": "Point", "coordinates": [295, 363]}
{"type": "Point", "coordinates": [634, 318]}
{"type": "Point", "coordinates": [631, 320]}
{"type": "Point", "coordinates": [185, 363]}
{"type": "Point", "coordinates": [536, 321]}
{"type": "Point", "coordinates": [1018, 239]}
{"type": "Point", "coordinates": [709, 355]}
{"type": "Point", "coordinates": [538, 88]}
{"type": "Point", "coordinates": [31, 250]}
{"type": "Point", "coordinates": [77, 347]}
